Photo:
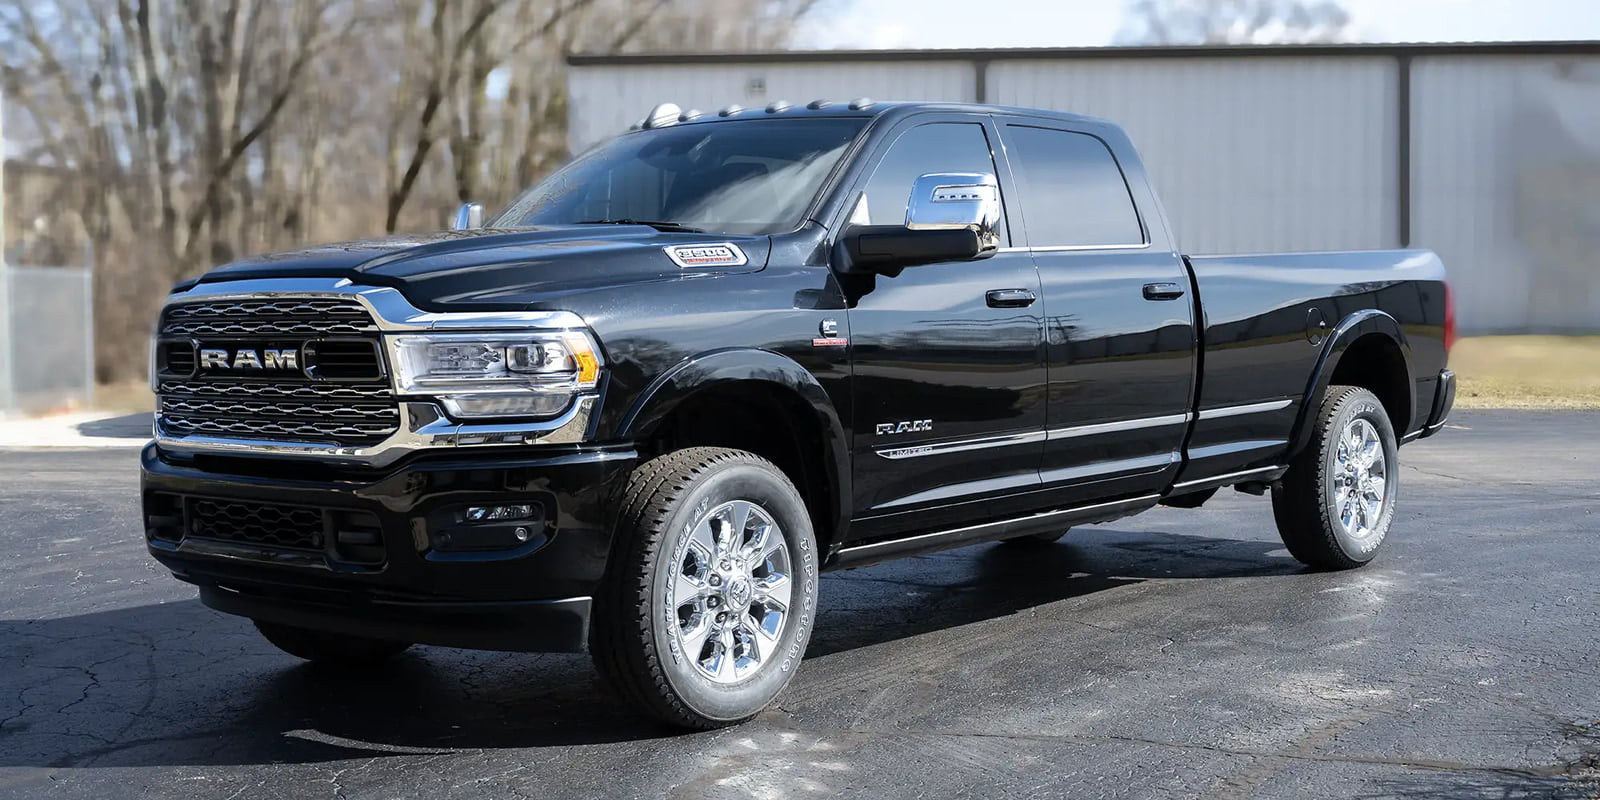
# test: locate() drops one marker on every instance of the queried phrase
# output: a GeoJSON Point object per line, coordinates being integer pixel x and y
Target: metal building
{"type": "Point", "coordinates": [1486, 153]}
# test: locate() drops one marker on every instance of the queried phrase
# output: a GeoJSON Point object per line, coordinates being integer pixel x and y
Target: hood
{"type": "Point", "coordinates": [499, 269]}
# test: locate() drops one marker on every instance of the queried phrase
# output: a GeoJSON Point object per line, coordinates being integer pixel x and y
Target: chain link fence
{"type": "Point", "coordinates": [46, 339]}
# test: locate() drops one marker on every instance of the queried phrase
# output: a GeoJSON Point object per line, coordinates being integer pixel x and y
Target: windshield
{"type": "Point", "coordinates": [742, 177]}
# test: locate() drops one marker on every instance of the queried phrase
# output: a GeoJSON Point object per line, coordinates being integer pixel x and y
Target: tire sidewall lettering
{"type": "Point", "coordinates": [800, 635]}
{"type": "Point", "coordinates": [1374, 414]}
{"type": "Point", "coordinates": [680, 548]}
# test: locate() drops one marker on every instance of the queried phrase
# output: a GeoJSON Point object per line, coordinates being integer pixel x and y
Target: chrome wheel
{"type": "Point", "coordinates": [730, 594]}
{"type": "Point", "coordinates": [1360, 482]}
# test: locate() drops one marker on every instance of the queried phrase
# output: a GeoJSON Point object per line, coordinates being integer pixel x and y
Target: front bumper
{"type": "Point", "coordinates": [369, 562]}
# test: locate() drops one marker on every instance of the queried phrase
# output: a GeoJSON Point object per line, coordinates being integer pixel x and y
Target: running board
{"type": "Point", "coordinates": [1047, 522]}
{"type": "Point", "coordinates": [1260, 475]}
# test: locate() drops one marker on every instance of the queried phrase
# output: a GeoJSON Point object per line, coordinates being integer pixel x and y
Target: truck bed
{"type": "Point", "coordinates": [1265, 323]}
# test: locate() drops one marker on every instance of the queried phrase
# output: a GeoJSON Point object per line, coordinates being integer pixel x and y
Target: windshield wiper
{"type": "Point", "coordinates": [657, 224]}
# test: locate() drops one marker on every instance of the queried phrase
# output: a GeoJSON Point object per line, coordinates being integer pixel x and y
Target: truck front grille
{"type": "Point", "coordinates": [280, 369]}
{"type": "Point", "coordinates": [268, 317]}
{"type": "Point", "coordinates": [260, 524]}
{"type": "Point", "coordinates": [347, 536]}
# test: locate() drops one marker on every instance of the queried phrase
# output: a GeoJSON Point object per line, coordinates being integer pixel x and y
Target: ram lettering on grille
{"type": "Point", "coordinates": [284, 369]}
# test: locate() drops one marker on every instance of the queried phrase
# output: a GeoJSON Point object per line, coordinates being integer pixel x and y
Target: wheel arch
{"type": "Point", "coordinates": [1367, 349]}
{"type": "Point", "coordinates": [815, 456]}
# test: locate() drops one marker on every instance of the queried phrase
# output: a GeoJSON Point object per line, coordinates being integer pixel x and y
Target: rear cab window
{"type": "Point", "coordinates": [1072, 190]}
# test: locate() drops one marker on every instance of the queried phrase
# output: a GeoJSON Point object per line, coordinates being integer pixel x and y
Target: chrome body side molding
{"type": "Point", "coordinates": [1252, 408]}
{"type": "Point", "coordinates": [1121, 425]}
{"type": "Point", "coordinates": [1007, 440]}
{"type": "Point", "coordinates": [960, 445]}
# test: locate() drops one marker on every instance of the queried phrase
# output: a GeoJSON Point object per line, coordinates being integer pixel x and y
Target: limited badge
{"type": "Point", "coordinates": [722, 254]}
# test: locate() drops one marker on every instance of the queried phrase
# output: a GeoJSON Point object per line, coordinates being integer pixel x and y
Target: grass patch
{"type": "Point", "coordinates": [1527, 372]}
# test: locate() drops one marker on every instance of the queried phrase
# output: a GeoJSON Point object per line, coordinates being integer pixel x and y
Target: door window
{"type": "Point", "coordinates": [934, 147]}
{"type": "Point", "coordinates": [1073, 192]}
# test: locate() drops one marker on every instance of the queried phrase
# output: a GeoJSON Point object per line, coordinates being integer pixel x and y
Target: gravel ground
{"type": "Point", "coordinates": [1173, 654]}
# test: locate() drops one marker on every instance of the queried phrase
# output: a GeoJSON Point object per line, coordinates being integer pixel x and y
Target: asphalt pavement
{"type": "Point", "coordinates": [1173, 654]}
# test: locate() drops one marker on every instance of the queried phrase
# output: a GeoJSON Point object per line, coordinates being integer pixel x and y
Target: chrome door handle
{"type": "Point", "coordinates": [1162, 291]}
{"type": "Point", "coordinates": [1010, 298]}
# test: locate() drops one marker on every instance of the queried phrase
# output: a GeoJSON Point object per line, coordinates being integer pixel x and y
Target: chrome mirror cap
{"type": "Point", "coordinates": [468, 216]}
{"type": "Point", "coordinates": [957, 201]}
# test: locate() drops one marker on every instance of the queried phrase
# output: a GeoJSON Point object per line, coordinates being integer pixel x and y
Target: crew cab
{"type": "Point", "coordinates": [640, 409]}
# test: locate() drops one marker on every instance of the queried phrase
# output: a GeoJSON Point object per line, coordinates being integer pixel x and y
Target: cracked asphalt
{"type": "Point", "coordinates": [1172, 654]}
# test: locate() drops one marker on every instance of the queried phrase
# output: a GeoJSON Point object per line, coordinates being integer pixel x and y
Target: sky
{"type": "Point", "coordinates": [915, 24]}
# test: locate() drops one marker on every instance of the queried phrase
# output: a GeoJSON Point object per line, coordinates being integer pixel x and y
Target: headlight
{"type": "Point", "coordinates": [532, 374]}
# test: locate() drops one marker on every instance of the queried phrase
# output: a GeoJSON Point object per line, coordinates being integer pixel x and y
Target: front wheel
{"type": "Point", "coordinates": [1335, 504]}
{"type": "Point", "coordinates": [707, 603]}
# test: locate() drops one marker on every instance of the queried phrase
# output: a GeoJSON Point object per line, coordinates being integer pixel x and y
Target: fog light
{"type": "Point", "coordinates": [497, 513]}
{"type": "Point", "coordinates": [514, 526]}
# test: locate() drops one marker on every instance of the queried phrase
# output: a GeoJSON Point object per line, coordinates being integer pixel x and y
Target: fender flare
{"type": "Point", "coordinates": [706, 370]}
{"type": "Point", "coordinates": [1345, 334]}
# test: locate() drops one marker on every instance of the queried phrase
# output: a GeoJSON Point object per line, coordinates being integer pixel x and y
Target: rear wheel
{"type": "Point", "coordinates": [1335, 504]}
{"type": "Point", "coordinates": [708, 600]}
{"type": "Point", "coordinates": [329, 649]}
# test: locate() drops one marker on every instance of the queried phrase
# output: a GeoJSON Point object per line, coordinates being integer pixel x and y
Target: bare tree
{"type": "Point", "coordinates": [1157, 22]}
{"type": "Point", "coordinates": [175, 134]}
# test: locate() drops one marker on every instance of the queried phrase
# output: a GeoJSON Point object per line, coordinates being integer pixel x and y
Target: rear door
{"type": "Point", "coordinates": [947, 358]}
{"type": "Point", "coordinates": [1120, 334]}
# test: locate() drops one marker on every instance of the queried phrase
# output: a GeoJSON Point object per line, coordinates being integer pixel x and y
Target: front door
{"type": "Point", "coordinates": [948, 368]}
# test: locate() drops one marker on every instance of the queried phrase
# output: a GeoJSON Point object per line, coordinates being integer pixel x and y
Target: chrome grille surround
{"type": "Point", "coordinates": [419, 423]}
{"type": "Point", "coordinates": [279, 405]}
{"type": "Point", "coordinates": [300, 316]}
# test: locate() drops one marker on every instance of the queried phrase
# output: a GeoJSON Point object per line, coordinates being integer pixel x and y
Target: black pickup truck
{"type": "Point", "coordinates": [638, 411]}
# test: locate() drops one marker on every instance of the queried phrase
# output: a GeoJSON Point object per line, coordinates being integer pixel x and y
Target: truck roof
{"type": "Point", "coordinates": [668, 114]}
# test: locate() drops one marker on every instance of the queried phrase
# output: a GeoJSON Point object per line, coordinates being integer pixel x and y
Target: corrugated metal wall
{"type": "Point", "coordinates": [1506, 186]}
{"type": "Point", "coordinates": [1273, 153]}
{"type": "Point", "coordinates": [1247, 155]}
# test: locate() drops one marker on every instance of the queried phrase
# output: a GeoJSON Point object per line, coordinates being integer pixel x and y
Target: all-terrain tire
{"type": "Point", "coordinates": [1324, 506]}
{"type": "Point", "coordinates": [637, 631]}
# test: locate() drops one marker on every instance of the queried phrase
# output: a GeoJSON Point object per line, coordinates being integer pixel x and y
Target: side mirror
{"type": "Point", "coordinates": [468, 216]}
{"type": "Point", "coordinates": [950, 216]}
{"type": "Point", "coordinates": [887, 249]}
{"type": "Point", "coordinates": [942, 201]}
